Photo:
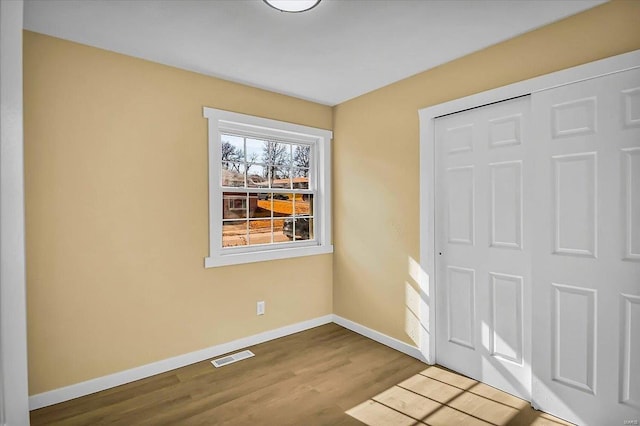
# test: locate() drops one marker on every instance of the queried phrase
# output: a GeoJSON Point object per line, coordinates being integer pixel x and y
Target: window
{"type": "Point", "coordinates": [235, 203]}
{"type": "Point", "coordinates": [269, 189]}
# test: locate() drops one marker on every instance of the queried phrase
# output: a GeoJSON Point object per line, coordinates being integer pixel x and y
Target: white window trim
{"type": "Point", "coordinates": [220, 120]}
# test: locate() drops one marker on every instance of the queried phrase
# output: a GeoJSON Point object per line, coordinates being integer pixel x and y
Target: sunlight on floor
{"type": "Point", "coordinates": [437, 396]}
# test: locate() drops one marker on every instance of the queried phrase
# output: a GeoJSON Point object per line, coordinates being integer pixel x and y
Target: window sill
{"type": "Point", "coordinates": [261, 256]}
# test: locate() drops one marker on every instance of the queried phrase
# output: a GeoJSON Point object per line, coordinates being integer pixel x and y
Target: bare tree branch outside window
{"type": "Point", "coordinates": [275, 155]}
{"type": "Point", "coordinates": [301, 156]}
{"type": "Point", "coordinates": [231, 157]}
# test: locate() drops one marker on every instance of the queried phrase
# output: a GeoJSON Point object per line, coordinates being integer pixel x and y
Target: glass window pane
{"type": "Point", "coordinates": [282, 230]}
{"type": "Point", "coordinates": [303, 228]}
{"type": "Point", "coordinates": [257, 176]}
{"type": "Point", "coordinates": [234, 233]}
{"type": "Point", "coordinates": [300, 178]}
{"type": "Point", "coordinates": [282, 155]}
{"type": "Point", "coordinates": [282, 212]}
{"type": "Point", "coordinates": [232, 174]}
{"type": "Point", "coordinates": [232, 148]}
{"type": "Point", "coordinates": [298, 172]}
{"type": "Point", "coordinates": [263, 206]}
{"type": "Point", "coordinates": [282, 205]}
{"type": "Point", "coordinates": [304, 204]}
{"type": "Point", "coordinates": [298, 229]}
{"type": "Point", "coordinates": [234, 205]}
{"type": "Point", "coordinates": [276, 153]}
{"type": "Point", "coordinates": [260, 231]}
{"type": "Point", "coordinates": [301, 156]}
{"type": "Point", "coordinates": [257, 151]}
{"type": "Point", "coordinates": [259, 205]}
{"type": "Point", "coordinates": [280, 177]}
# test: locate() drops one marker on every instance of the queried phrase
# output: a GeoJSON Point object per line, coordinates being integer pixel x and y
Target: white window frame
{"type": "Point", "coordinates": [221, 122]}
{"type": "Point", "coordinates": [232, 201]}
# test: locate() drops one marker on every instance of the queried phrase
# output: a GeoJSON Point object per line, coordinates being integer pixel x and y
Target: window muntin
{"type": "Point", "coordinates": [270, 183]}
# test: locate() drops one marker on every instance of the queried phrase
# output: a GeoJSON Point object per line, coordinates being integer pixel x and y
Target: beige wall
{"type": "Point", "coordinates": [376, 148]}
{"type": "Point", "coordinates": [116, 198]}
{"type": "Point", "coordinates": [117, 216]}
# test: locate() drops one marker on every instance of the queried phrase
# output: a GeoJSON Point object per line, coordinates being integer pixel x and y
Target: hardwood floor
{"type": "Point", "coordinates": [324, 376]}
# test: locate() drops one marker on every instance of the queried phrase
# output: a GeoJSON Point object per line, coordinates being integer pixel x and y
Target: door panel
{"type": "Point", "coordinates": [586, 268]}
{"type": "Point", "coordinates": [506, 340]}
{"type": "Point", "coordinates": [574, 336]}
{"type": "Point", "coordinates": [461, 306]}
{"type": "Point", "coordinates": [506, 204]}
{"type": "Point", "coordinates": [483, 273]}
{"type": "Point", "coordinates": [631, 202]}
{"type": "Point", "coordinates": [460, 212]}
{"type": "Point", "coordinates": [574, 204]}
{"type": "Point", "coordinates": [630, 367]}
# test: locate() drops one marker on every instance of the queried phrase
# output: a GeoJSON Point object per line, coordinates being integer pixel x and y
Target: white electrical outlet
{"type": "Point", "coordinates": [260, 308]}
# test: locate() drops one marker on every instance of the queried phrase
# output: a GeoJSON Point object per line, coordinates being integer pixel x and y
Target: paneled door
{"type": "Point", "coordinates": [586, 254]}
{"type": "Point", "coordinates": [483, 244]}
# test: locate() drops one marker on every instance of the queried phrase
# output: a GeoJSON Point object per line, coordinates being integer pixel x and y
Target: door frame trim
{"type": "Point", "coordinates": [14, 390]}
{"type": "Point", "coordinates": [427, 116]}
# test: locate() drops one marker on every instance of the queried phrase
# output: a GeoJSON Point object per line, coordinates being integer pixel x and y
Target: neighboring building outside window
{"type": "Point", "coordinates": [236, 203]}
{"type": "Point", "coordinates": [269, 189]}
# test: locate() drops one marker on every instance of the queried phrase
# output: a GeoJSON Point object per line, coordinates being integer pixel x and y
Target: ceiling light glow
{"type": "Point", "coordinates": [292, 5]}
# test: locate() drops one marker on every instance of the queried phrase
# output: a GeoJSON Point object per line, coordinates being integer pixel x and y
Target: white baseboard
{"type": "Point", "coordinates": [101, 383]}
{"type": "Point", "coordinates": [393, 343]}
{"type": "Point", "coordinates": [112, 380]}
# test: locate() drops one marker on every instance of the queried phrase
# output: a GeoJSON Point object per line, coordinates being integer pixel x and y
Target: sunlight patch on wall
{"type": "Point", "coordinates": [419, 276]}
{"type": "Point", "coordinates": [412, 313]}
{"type": "Point", "coordinates": [417, 311]}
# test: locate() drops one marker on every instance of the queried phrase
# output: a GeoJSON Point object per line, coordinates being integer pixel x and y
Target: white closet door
{"type": "Point", "coordinates": [586, 257]}
{"type": "Point", "coordinates": [483, 245]}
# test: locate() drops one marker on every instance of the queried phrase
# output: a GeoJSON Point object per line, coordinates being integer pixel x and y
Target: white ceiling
{"type": "Point", "coordinates": [335, 52]}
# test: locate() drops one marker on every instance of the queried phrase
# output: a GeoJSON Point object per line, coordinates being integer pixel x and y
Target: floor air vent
{"type": "Point", "coordinates": [230, 359]}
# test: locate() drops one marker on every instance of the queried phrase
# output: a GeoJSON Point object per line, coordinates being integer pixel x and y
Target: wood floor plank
{"type": "Point", "coordinates": [323, 376]}
{"type": "Point", "coordinates": [410, 403]}
{"type": "Point", "coordinates": [375, 414]}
